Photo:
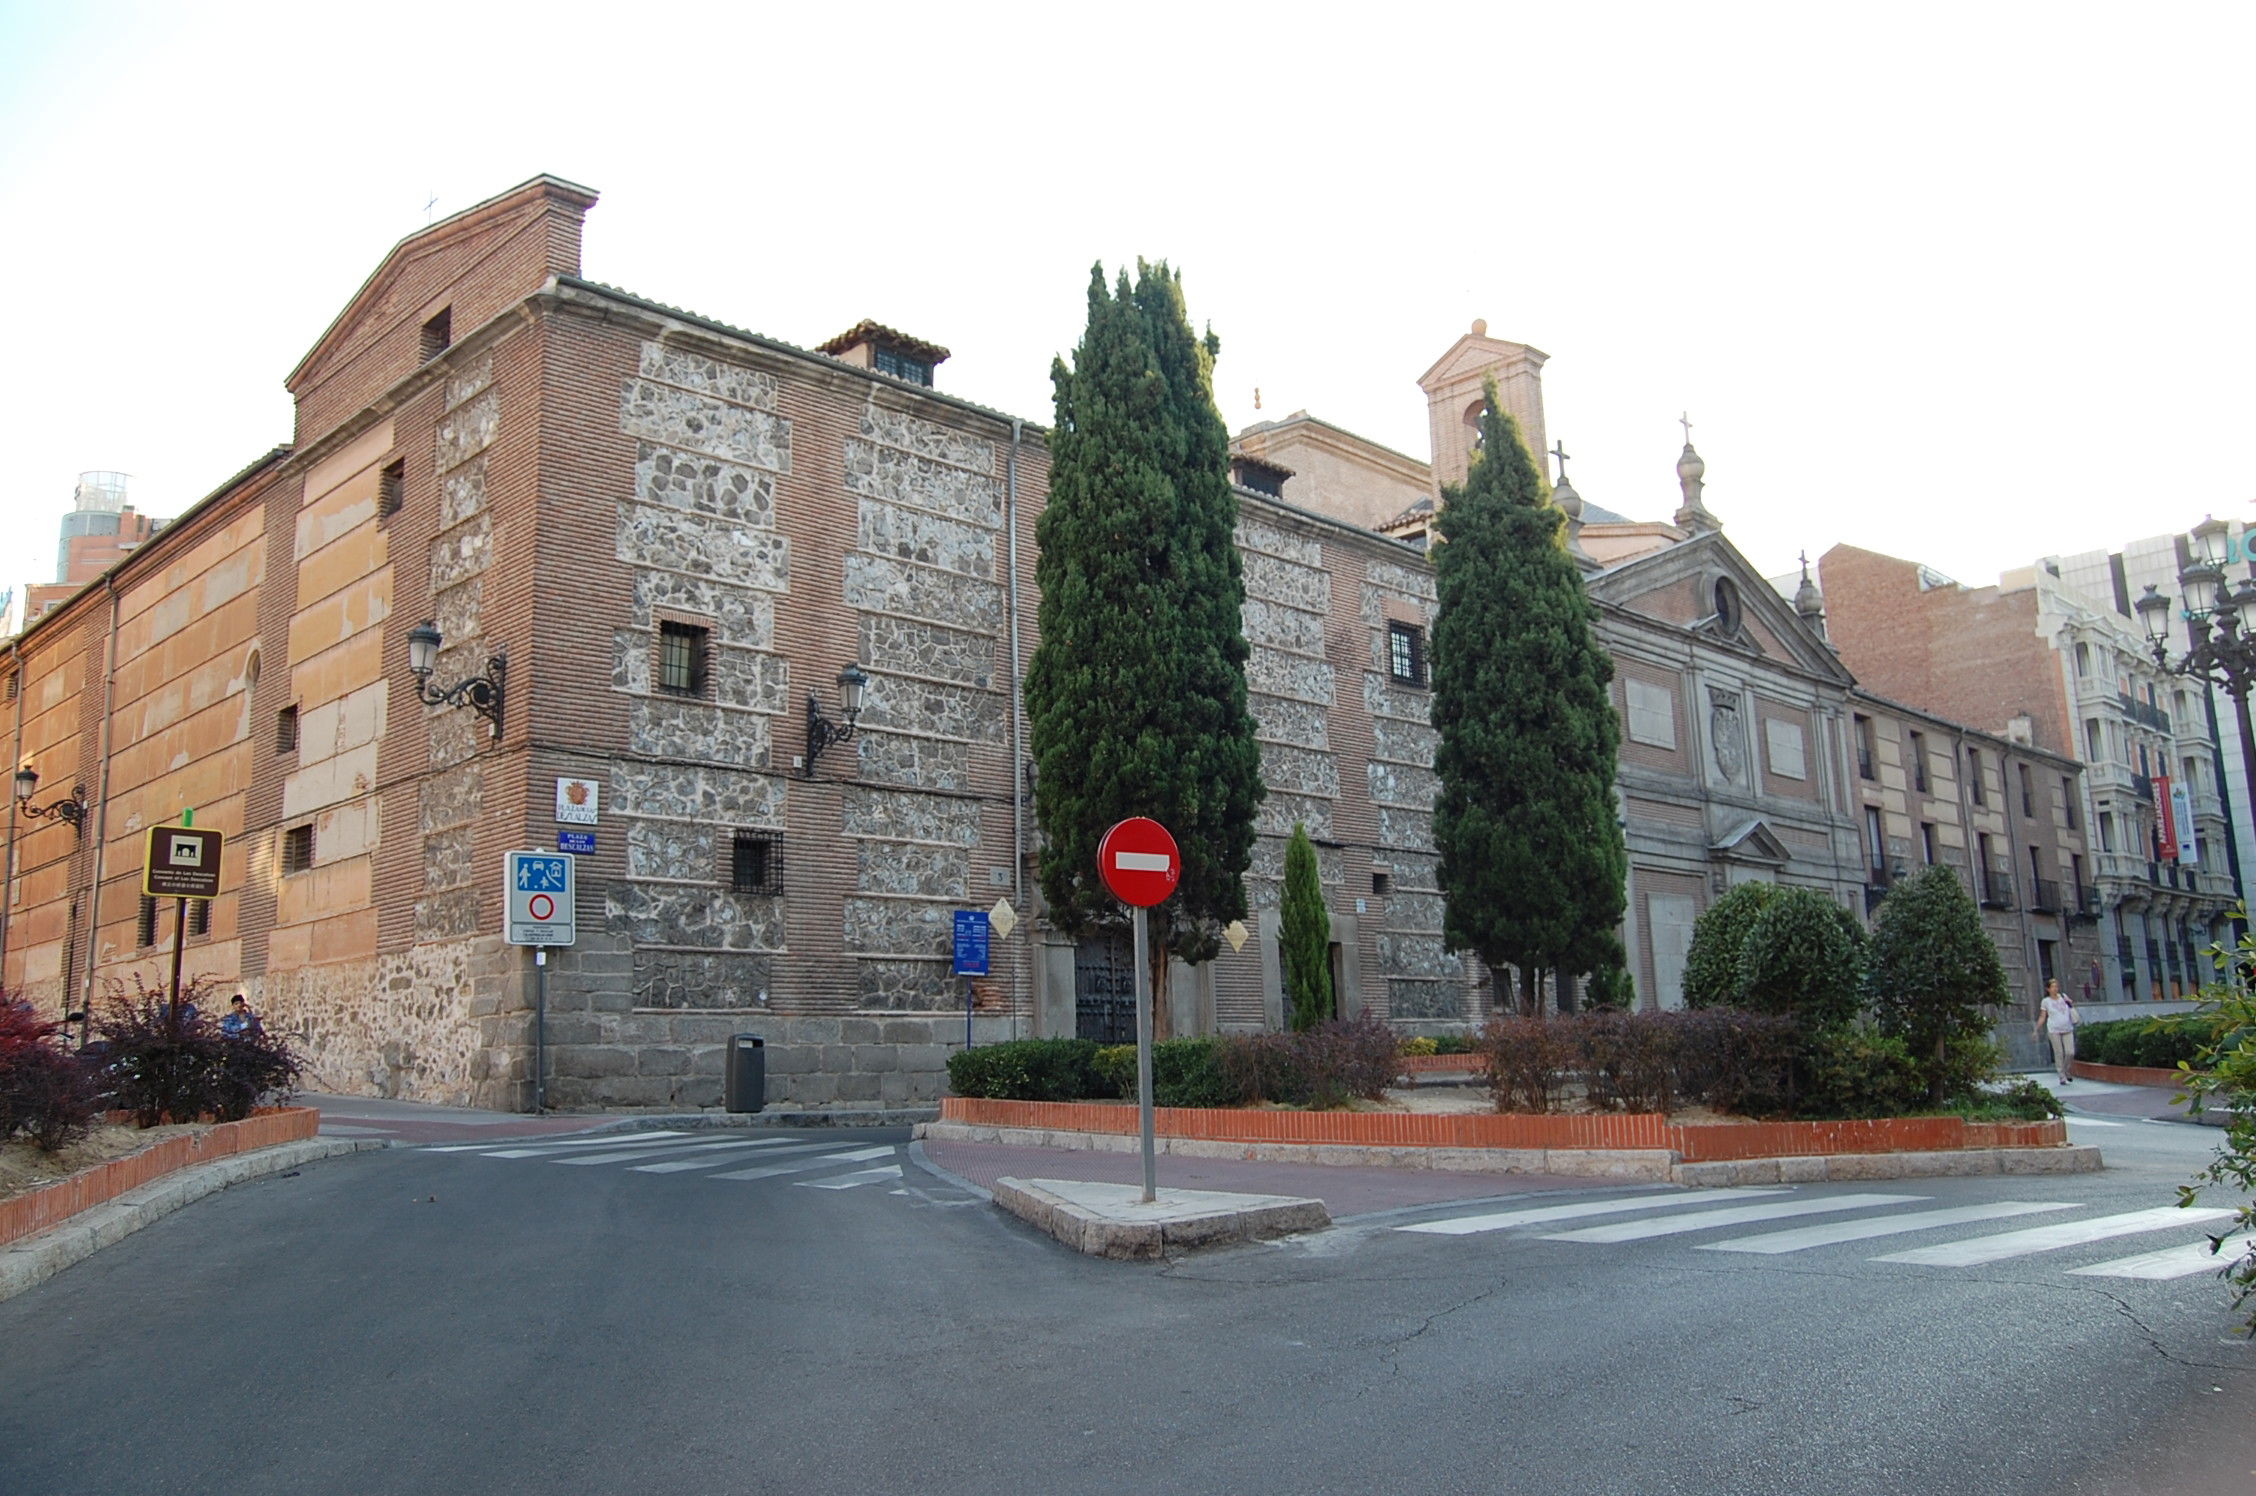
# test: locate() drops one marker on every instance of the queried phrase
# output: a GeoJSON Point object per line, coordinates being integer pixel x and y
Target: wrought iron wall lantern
{"type": "Point", "coordinates": [821, 731]}
{"type": "Point", "coordinates": [482, 693]}
{"type": "Point", "coordinates": [71, 808]}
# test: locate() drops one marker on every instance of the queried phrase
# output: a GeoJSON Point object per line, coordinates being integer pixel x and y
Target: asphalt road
{"type": "Point", "coordinates": [424, 1321]}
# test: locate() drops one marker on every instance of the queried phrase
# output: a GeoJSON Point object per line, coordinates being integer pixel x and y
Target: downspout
{"type": "Point", "coordinates": [1018, 715]}
{"type": "Point", "coordinates": [101, 817]}
{"type": "Point", "coordinates": [15, 760]}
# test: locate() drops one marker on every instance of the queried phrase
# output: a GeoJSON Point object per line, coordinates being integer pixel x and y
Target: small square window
{"type": "Point", "coordinates": [1406, 653]}
{"type": "Point", "coordinates": [756, 862]}
{"type": "Point", "coordinates": [145, 924]}
{"type": "Point", "coordinates": [438, 334]}
{"type": "Point", "coordinates": [297, 849]}
{"type": "Point", "coordinates": [199, 916]}
{"type": "Point", "coordinates": [286, 730]}
{"type": "Point", "coordinates": [15, 683]}
{"type": "Point", "coordinates": [391, 489]}
{"type": "Point", "coordinates": [1382, 882]}
{"type": "Point", "coordinates": [681, 658]}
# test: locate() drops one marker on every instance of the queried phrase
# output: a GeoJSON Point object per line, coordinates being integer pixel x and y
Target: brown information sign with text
{"type": "Point", "coordinates": [183, 863]}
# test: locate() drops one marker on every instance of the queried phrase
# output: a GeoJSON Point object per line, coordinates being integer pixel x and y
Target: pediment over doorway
{"type": "Point", "coordinates": [1751, 842]}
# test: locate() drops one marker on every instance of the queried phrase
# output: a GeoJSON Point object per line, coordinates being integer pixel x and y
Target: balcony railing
{"type": "Point", "coordinates": [2142, 785]}
{"type": "Point", "coordinates": [2086, 905]}
{"type": "Point", "coordinates": [1997, 888]}
{"type": "Point", "coordinates": [2044, 896]}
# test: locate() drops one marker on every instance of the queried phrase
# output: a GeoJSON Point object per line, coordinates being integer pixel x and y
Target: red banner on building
{"type": "Point", "coordinates": [2165, 821]}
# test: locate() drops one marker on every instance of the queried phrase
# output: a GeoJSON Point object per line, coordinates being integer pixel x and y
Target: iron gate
{"type": "Point", "coordinates": [1104, 988]}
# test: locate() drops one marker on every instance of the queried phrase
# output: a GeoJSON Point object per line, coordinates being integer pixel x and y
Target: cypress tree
{"type": "Point", "coordinates": [1532, 858]}
{"type": "Point", "coordinates": [1935, 974]}
{"type": "Point", "coordinates": [1305, 939]}
{"type": "Point", "coordinates": [1136, 695]}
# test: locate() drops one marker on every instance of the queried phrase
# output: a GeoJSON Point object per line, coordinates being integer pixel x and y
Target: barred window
{"type": "Point", "coordinates": [145, 924]}
{"type": "Point", "coordinates": [756, 862]}
{"type": "Point", "coordinates": [286, 730]}
{"type": "Point", "coordinates": [1406, 653]}
{"type": "Point", "coordinates": [297, 849]}
{"type": "Point", "coordinates": [391, 489]}
{"type": "Point", "coordinates": [199, 916]}
{"type": "Point", "coordinates": [681, 658]}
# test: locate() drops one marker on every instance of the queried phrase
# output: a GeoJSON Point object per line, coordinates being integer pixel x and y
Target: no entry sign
{"type": "Point", "coordinates": [1139, 862]}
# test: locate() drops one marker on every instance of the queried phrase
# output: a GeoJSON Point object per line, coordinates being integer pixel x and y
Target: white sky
{"type": "Point", "coordinates": [1967, 283]}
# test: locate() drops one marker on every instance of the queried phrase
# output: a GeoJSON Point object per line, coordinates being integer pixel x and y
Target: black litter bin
{"type": "Point", "coordinates": [744, 1084]}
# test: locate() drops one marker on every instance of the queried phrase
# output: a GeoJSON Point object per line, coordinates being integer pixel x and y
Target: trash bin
{"type": "Point", "coordinates": [744, 1084]}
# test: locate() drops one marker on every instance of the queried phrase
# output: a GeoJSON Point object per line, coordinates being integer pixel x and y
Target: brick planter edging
{"type": "Point", "coordinates": [1691, 1143]}
{"type": "Point", "coordinates": [2125, 1075]}
{"type": "Point", "coordinates": [51, 1205]}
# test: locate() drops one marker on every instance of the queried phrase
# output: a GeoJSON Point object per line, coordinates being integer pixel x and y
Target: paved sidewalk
{"type": "Point", "coordinates": [2099, 1098]}
{"type": "Point", "coordinates": [1346, 1190]}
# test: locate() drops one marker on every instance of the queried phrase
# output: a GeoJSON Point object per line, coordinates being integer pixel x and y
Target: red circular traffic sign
{"type": "Point", "coordinates": [1139, 862]}
{"type": "Point", "coordinates": [541, 906]}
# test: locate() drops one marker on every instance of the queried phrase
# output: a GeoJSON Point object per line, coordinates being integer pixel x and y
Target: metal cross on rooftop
{"type": "Point", "coordinates": [1559, 450]}
{"type": "Point", "coordinates": [1685, 420]}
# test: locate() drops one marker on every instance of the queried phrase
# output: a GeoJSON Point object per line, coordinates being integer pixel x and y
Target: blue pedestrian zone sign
{"type": "Point", "coordinates": [971, 942]}
{"type": "Point", "coordinates": [541, 898]}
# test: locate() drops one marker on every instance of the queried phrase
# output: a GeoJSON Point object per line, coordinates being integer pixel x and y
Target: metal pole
{"type": "Point", "coordinates": [540, 1029]}
{"type": "Point", "coordinates": [1144, 1053]}
{"type": "Point", "coordinates": [967, 1012]}
{"type": "Point", "coordinates": [179, 941]}
{"type": "Point", "coordinates": [2239, 689]}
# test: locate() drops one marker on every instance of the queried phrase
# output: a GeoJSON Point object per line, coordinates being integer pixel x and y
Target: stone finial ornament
{"type": "Point", "coordinates": [1690, 469]}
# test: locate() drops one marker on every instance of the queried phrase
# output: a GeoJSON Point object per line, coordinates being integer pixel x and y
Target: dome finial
{"type": "Point", "coordinates": [1690, 470]}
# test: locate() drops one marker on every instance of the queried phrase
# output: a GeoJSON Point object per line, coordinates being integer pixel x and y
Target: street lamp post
{"type": "Point", "coordinates": [2221, 629]}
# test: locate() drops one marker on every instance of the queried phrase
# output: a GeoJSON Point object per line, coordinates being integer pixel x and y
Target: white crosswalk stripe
{"type": "Point", "coordinates": [1468, 1225]}
{"type": "Point", "coordinates": [1983, 1249]}
{"type": "Point", "coordinates": [2170, 1262]}
{"type": "Point", "coordinates": [859, 1156]}
{"type": "Point", "coordinates": [730, 1153]}
{"type": "Point", "coordinates": [849, 1181]}
{"type": "Point", "coordinates": [1705, 1220]}
{"type": "Point", "coordinates": [1804, 1237]}
{"type": "Point", "coordinates": [701, 1153]}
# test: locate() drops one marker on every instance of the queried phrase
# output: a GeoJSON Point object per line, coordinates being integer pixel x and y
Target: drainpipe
{"type": "Point", "coordinates": [15, 760]}
{"type": "Point", "coordinates": [1018, 705]}
{"type": "Point", "coordinates": [101, 817]}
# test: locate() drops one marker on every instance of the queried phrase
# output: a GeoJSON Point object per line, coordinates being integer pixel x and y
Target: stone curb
{"type": "Point", "coordinates": [1100, 1235]}
{"type": "Point", "coordinates": [35, 1259]}
{"type": "Point", "coordinates": [1650, 1165]}
{"type": "Point", "coordinates": [1656, 1166]}
{"type": "Point", "coordinates": [2077, 1158]}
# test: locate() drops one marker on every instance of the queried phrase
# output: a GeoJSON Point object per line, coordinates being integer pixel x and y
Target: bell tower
{"type": "Point", "coordinates": [1454, 394]}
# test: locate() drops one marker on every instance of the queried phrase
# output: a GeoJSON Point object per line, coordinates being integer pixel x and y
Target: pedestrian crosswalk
{"type": "Point", "coordinates": [1867, 1217]}
{"type": "Point", "coordinates": [824, 1163]}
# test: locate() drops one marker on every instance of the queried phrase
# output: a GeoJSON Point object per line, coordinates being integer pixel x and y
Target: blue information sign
{"type": "Point", "coordinates": [582, 842]}
{"type": "Point", "coordinates": [971, 942]}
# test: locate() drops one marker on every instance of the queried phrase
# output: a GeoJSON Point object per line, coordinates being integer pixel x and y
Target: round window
{"type": "Point", "coordinates": [1727, 604]}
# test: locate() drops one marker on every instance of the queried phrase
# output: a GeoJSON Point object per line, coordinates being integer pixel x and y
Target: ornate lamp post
{"type": "Point", "coordinates": [481, 693]}
{"type": "Point", "coordinates": [821, 731]}
{"type": "Point", "coordinates": [2221, 625]}
{"type": "Point", "coordinates": [71, 809]}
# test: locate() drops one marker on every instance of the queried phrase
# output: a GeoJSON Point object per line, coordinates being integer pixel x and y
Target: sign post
{"type": "Point", "coordinates": [182, 863]}
{"type": "Point", "coordinates": [971, 956]}
{"type": "Point", "coordinates": [1139, 862]}
{"type": "Point", "coordinates": [541, 890]}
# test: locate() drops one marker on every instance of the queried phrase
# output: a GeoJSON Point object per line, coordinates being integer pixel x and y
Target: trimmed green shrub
{"type": "Point", "coordinates": [1935, 976]}
{"type": "Point", "coordinates": [1852, 1071]}
{"type": "Point", "coordinates": [1803, 955]}
{"type": "Point", "coordinates": [1190, 1072]}
{"type": "Point", "coordinates": [2156, 1043]}
{"type": "Point", "coordinates": [2026, 1101]}
{"type": "Point", "coordinates": [1115, 1069]}
{"type": "Point", "coordinates": [1711, 965]}
{"type": "Point", "coordinates": [1456, 1044]}
{"type": "Point", "coordinates": [1032, 1070]}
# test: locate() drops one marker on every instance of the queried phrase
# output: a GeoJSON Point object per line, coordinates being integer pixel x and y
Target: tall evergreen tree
{"type": "Point", "coordinates": [1305, 935]}
{"type": "Point", "coordinates": [1532, 858]}
{"type": "Point", "coordinates": [1136, 695]}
